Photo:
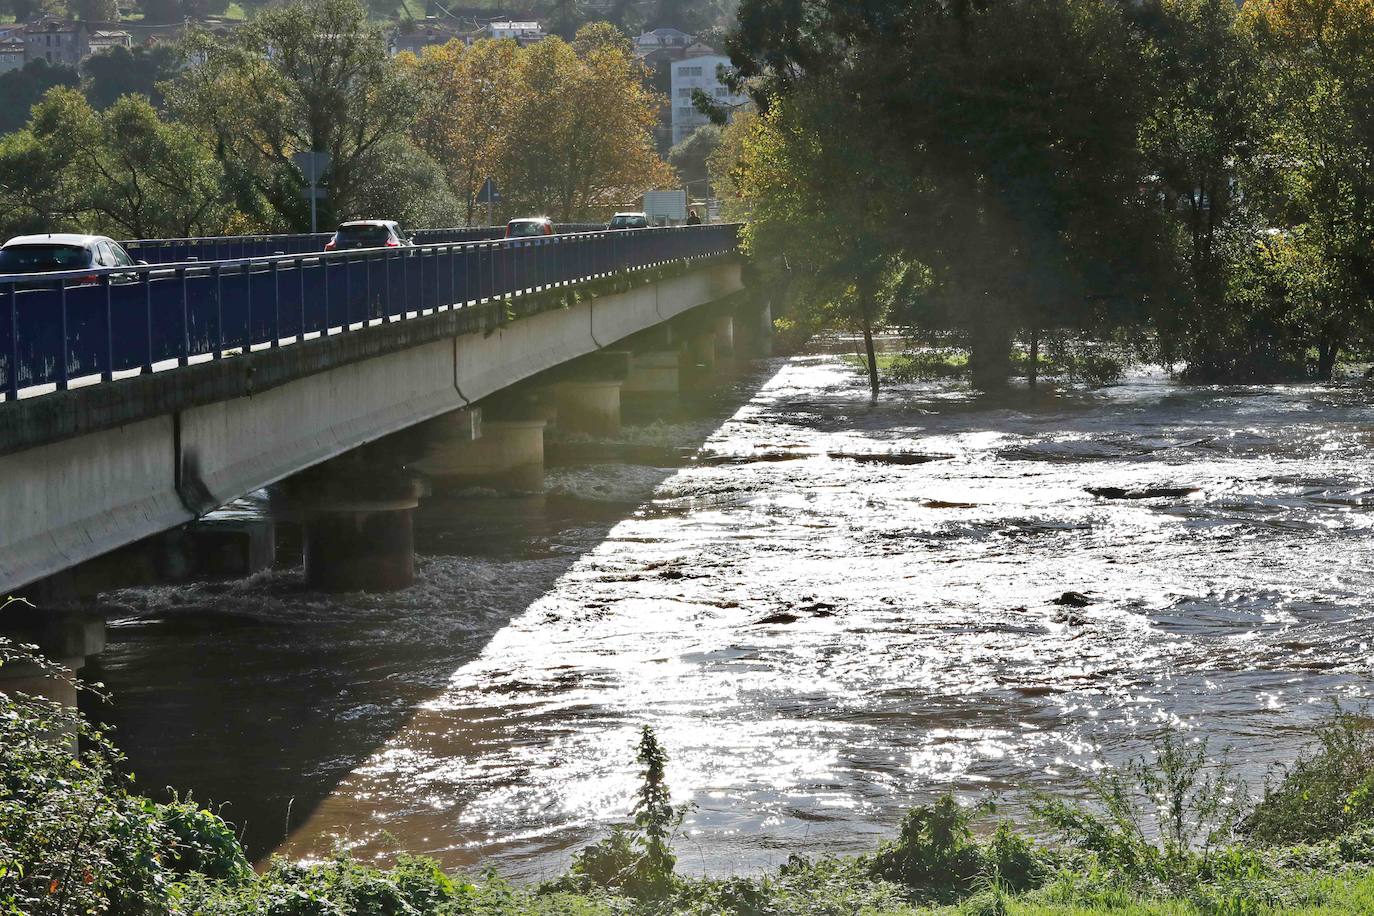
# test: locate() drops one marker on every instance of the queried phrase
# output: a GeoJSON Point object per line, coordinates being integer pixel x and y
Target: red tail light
{"type": "Point", "coordinates": [89, 280]}
{"type": "Point", "coordinates": [392, 243]}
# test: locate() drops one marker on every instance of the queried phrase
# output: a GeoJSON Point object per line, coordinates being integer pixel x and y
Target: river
{"type": "Point", "coordinates": [829, 609]}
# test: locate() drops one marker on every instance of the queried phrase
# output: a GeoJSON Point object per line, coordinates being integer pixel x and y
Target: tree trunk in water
{"type": "Point", "coordinates": [1033, 369]}
{"type": "Point", "coordinates": [989, 358]}
{"type": "Point", "coordinates": [1327, 350]}
{"type": "Point", "coordinates": [866, 307]}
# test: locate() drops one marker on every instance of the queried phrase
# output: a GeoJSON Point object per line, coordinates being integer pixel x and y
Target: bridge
{"type": "Point", "coordinates": [138, 400]}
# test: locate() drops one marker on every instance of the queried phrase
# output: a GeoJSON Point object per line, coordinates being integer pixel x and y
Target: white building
{"type": "Point", "coordinates": [11, 54]}
{"type": "Point", "coordinates": [526, 32]}
{"type": "Point", "coordinates": [690, 74]}
{"type": "Point", "coordinates": [105, 39]}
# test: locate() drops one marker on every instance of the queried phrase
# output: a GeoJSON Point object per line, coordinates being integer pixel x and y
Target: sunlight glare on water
{"type": "Point", "coordinates": [836, 611]}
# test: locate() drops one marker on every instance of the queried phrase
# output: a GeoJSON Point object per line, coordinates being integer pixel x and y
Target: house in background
{"type": "Point", "coordinates": [105, 39]}
{"type": "Point", "coordinates": [11, 54]}
{"type": "Point", "coordinates": [427, 34]}
{"type": "Point", "coordinates": [57, 41]}
{"type": "Point", "coordinates": [526, 31]}
{"type": "Point", "coordinates": [689, 75]}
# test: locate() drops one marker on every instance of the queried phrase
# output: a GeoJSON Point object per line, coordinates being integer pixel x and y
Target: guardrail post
{"type": "Point", "coordinates": [185, 356]}
{"type": "Point", "coordinates": [300, 269]}
{"type": "Point", "coordinates": [148, 314]}
{"type": "Point", "coordinates": [108, 371]}
{"type": "Point", "coordinates": [62, 367]}
{"type": "Point", "coordinates": [219, 312]}
{"type": "Point", "coordinates": [276, 306]}
{"type": "Point", "coordinates": [12, 381]}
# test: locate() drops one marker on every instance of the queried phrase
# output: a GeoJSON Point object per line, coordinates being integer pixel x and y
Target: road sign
{"type": "Point", "coordinates": [313, 165]}
{"type": "Point", "coordinates": [488, 194]}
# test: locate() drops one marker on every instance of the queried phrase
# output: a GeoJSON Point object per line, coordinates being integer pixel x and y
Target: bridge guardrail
{"type": "Point", "coordinates": [235, 247]}
{"type": "Point", "coordinates": [58, 327]}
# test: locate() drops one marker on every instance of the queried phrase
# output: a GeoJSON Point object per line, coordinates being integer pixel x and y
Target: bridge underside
{"type": "Point", "coordinates": [88, 470]}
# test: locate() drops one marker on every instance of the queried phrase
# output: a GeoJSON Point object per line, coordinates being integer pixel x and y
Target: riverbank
{"type": "Point", "coordinates": [1170, 832]}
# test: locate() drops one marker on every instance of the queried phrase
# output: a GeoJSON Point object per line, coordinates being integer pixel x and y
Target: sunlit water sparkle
{"type": "Point", "coordinates": [822, 638]}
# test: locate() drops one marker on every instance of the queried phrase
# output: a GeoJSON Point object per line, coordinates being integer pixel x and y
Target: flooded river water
{"type": "Point", "coordinates": [830, 610]}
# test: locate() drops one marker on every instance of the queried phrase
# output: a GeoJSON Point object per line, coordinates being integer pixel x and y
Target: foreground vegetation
{"type": "Point", "coordinates": [1169, 833]}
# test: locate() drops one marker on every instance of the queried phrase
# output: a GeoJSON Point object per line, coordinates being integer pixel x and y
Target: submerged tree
{"type": "Point", "coordinates": [997, 143]}
{"type": "Point", "coordinates": [1319, 149]}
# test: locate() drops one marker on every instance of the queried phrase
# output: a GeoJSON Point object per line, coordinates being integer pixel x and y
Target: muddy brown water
{"type": "Point", "coordinates": [830, 610]}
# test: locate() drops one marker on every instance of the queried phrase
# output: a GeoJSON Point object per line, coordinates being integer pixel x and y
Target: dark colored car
{"type": "Point", "coordinates": [630, 221]}
{"type": "Point", "coordinates": [367, 233]}
{"type": "Point", "coordinates": [32, 254]}
{"type": "Point", "coordinates": [529, 227]}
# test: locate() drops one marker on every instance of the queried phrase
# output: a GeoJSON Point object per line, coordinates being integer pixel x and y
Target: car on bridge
{"type": "Point", "coordinates": [57, 252]}
{"type": "Point", "coordinates": [630, 221]}
{"type": "Point", "coordinates": [368, 233]}
{"type": "Point", "coordinates": [529, 227]}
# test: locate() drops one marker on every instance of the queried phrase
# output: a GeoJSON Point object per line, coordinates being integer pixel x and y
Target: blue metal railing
{"type": "Point", "coordinates": [236, 247]}
{"type": "Point", "coordinates": [89, 324]}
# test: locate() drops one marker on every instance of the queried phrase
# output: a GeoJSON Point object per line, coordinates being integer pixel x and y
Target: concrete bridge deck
{"type": "Point", "coordinates": [87, 468]}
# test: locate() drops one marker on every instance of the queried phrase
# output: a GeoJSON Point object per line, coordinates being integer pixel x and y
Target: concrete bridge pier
{"type": "Point", "coordinates": [66, 637]}
{"type": "Point", "coordinates": [723, 329]}
{"type": "Point", "coordinates": [357, 524]}
{"type": "Point", "coordinates": [753, 328]}
{"type": "Point", "coordinates": [699, 358]}
{"type": "Point", "coordinates": [590, 406]}
{"type": "Point", "coordinates": [654, 378]}
{"type": "Point", "coordinates": [501, 446]}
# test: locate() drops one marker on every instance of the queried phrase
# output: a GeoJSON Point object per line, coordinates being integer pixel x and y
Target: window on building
{"type": "Point", "coordinates": [689, 71]}
{"type": "Point", "coordinates": [684, 93]}
{"type": "Point", "coordinates": [720, 92]}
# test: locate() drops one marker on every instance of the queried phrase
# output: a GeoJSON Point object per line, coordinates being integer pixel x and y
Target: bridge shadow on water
{"type": "Point", "coordinates": [261, 695]}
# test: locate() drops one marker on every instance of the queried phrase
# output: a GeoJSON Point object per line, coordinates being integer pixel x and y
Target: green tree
{"type": "Point", "coordinates": [120, 71]}
{"type": "Point", "coordinates": [132, 174]}
{"type": "Point", "coordinates": [465, 116]}
{"type": "Point", "coordinates": [300, 77]}
{"type": "Point", "coordinates": [1320, 113]}
{"type": "Point", "coordinates": [94, 10]}
{"type": "Point", "coordinates": [580, 142]}
{"type": "Point", "coordinates": [36, 190]}
{"type": "Point", "coordinates": [1198, 140]}
{"type": "Point", "coordinates": [21, 89]}
{"type": "Point", "coordinates": [820, 201]}
{"type": "Point", "coordinates": [690, 158]}
{"type": "Point", "coordinates": [177, 10]}
{"type": "Point", "coordinates": [1011, 129]}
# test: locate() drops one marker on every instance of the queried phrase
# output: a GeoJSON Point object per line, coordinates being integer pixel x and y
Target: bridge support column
{"type": "Point", "coordinates": [723, 328]}
{"type": "Point", "coordinates": [654, 377]}
{"type": "Point", "coordinates": [701, 349]}
{"type": "Point", "coordinates": [508, 455]}
{"type": "Point", "coordinates": [67, 637]}
{"type": "Point", "coordinates": [754, 329]}
{"type": "Point", "coordinates": [591, 406]}
{"type": "Point", "coordinates": [358, 527]}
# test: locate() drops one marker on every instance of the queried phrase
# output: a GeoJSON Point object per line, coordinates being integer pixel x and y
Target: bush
{"type": "Point", "coordinates": [1158, 820]}
{"type": "Point", "coordinates": [339, 887]}
{"type": "Point", "coordinates": [638, 861]}
{"type": "Point", "coordinates": [1323, 794]}
{"type": "Point", "coordinates": [73, 839]}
